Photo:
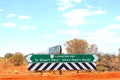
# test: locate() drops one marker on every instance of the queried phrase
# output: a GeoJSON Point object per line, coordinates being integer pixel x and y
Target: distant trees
{"type": "Point", "coordinates": [106, 62]}
{"type": "Point", "coordinates": [119, 50]}
{"type": "Point", "coordinates": [119, 56]}
{"type": "Point", "coordinates": [93, 49]}
{"type": "Point", "coordinates": [80, 46]}
{"type": "Point", "coordinates": [76, 46]}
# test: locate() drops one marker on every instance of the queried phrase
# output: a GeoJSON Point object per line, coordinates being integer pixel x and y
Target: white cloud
{"type": "Point", "coordinates": [113, 27]}
{"type": "Point", "coordinates": [118, 18]}
{"type": "Point", "coordinates": [107, 38]}
{"type": "Point", "coordinates": [104, 34]}
{"type": "Point", "coordinates": [89, 6]}
{"type": "Point", "coordinates": [9, 24]}
{"type": "Point", "coordinates": [47, 36]}
{"type": "Point", "coordinates": [99, 12]}
{"type": "Point", "coordinates": [77, 16]}
{"type": "Point", "coordinates": [77, 1]}
{"type": "Point", "coordinates": [65, 4]}
{"type": "Point", "coordinates": [1, 9]}
{"type": "Point", "coordinates": [75, 22]}
{"type": "Point", "coordinates": [26, 27]}
{"type": "Point", "coordinates": [24, 17]}
{"type": "Point", "coordinates": [69, 32]}
{"type": "Point", "coordinates": [107, 33]}
{"type": "Point", "coordinates": [10, 15]}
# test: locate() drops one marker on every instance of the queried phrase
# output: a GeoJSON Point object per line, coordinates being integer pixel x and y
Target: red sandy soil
{"type": "Point", "coordinates": [81, 76]}
{"type": "Point", "coordinates": [10, 72]}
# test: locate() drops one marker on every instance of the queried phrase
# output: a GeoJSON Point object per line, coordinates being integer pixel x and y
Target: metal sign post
{"type": "Point", "coordinates": [56, 50]}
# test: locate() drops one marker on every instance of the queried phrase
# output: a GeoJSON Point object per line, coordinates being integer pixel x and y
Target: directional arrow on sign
{"type": "Point", "coordinates": [28, 58]}
{"type": "Point", "coordinates": [95, 58]}
{"type": "Point", "coordinates": [61, 58]}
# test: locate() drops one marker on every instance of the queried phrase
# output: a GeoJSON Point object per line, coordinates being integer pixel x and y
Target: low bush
{"type": "Point", "coordinates": [101, 68]}
{"type": "Point", "coordinates": [17, 59]}
{"type": "Point", "coordinates": [8, 55]}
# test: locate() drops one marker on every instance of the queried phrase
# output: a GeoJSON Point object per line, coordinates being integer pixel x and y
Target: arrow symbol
{"type": "Point", "coordinates": [28, 58]}
{"type": "Point", "coordinates": [95, 58]}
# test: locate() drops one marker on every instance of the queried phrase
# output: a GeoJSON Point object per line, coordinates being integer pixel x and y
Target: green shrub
{"type": "Point", "coordinates": [17, 59]}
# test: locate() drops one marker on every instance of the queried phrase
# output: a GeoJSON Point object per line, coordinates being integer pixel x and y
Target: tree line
{"type": "Point", "coordinates": [106, 62]}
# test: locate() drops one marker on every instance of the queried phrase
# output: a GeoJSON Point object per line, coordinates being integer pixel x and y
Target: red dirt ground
{"type": "Point", "coordinates": [10, 72]}
{"type": "Point", "coordinates": [81, 76]}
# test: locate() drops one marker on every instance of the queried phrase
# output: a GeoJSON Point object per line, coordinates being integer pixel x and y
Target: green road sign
{"type": "Point", "coordinates": [61, 58]}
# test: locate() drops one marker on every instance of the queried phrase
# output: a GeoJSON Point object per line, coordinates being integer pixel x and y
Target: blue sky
{"type": "Point", "coordinates": [35, 25]}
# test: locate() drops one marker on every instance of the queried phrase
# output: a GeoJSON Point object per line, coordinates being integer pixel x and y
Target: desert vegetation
{"type": "Point", "coordinates": [106, 62]}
